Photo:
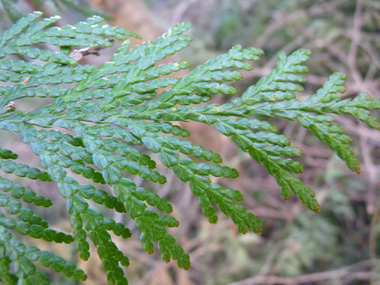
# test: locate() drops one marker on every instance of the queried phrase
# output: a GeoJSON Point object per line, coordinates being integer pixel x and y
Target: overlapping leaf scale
{"type": "Point", "coordinates": [327, 100]}
{"type": "Point", "coordinates": [75, 207]}
{"type": "Point", "coordinates": [153, 51]}
{"type": "Point", "coordinates": [7, 154]}
{"type": "Point", "coordinates": [187, 147]}
{"type": "Point", "coordinates": [32, 83]}
{"type": "Point", "coordinates": [135, 99]}
{"type": "Point", "coordinates": [57, 136]}
{"type": "Point", "coordinates": [103, 157]}
{"type": "Point", "coordinates": [100, 197]}
{"type": "Point", "coordinates": [88, 94]}
{"type": "Point", "coordinates": [108, 252]}
{"type": "Point", "coordinates": [36, 53]}
{"type": "Point", "coordinates": [166, 147]}
{"type": "Point", "coordinates": [224, 199]}
{"type": "Point", "coordinates": [186, 168]}
{"type": "Point", "coordinates": [358, 107]}
{"type": "Point", "coordinates": [267, 148]}
{"type": "Point", "coordinates": [51, 92]}
{"type": "Point", "coordinates": [23, 258]}
{"type": "Point", "coordinates": [278, 84]}
{"type": "Point", "coordinates": [14, 207]}
{"type": "Point", "coordinates": [198, 81]}
{"type": "Point", "coordinates": [75, 204]}
{"type": "Point", "coordinates": [255, 124]}
{"type": "Point", "coordinates": [94, 26]}
{"type": "Point", "coordinates": [132, 77]}
{"type": "Point", "coordinates": [131, 82]}
{"type": "Point", "coordinates": [68, 187]}
{"type": "Point", "coordinates": [332, 135]}
{"type": "Point", "coordinates": [110, 167]}
{"type": "Point", "coordinates": [312, 114]}
{"type": "Point", "coordinates": [139, 128]}
{"type": "Point", "coordinates": [281, 170]}
{"type": "Point", "coordinates": [140, 194]}
{"type": "Point", "coordinates": [56, 263]}
{"type": "Point", "coordinates": [114, 132]}
{"type": "Point", "coordinates": [74, 158]}
{"type": "Point", "coordinates": [23, 170]}
{"type": "Point", "coordinates": [17, 70]}
{"type": "Point", "coordinates": [150, 224]}
{"type": "Point", "coordinates": [131, 64]}
{"type": "Point", "coordinates": [167, 128]}
{"type": "Point", "coordinates": [18, 28]}
{"type": "Point", "coordinates": [29, 35]}
{"type": "Point", "coordinates": [6, 276]}
{"type": "Point", "coordinates": [104, 160]}
{"type": "Point", "coordinates": [53, 73]}
{"type": "Point", "coordinates": [34, 230]}
{"type": "Point", "coordinates": [25, 33]}
{"type": "Point", "coordinates": [126, 151]}
{"type": "Point", "coordinates": [132, 197]}
{"type": "Point", "coordinates": [109, 255]}
{"type": "Point", "coordinates": [94, 223]}
{"type": "Point", "coordinates": [266, 140]}
{"type": "Point", "coordinates": [71, 185]}
{"type": "Point", "coordinates": [73, 154]}
{"type": "Point", "coordinates": [88, 33]}
{"type": "Point", "coordinates": [14, 250]}
{"type": "Point", "coordinates": [20, 192]}
{"type": "Point", "coordinates": [189, 171]}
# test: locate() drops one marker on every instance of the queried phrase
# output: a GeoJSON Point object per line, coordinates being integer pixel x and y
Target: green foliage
{"type": "Point", "coordinates": [103, 118]}
{"type": "Point", "coordinates": [16, 9]}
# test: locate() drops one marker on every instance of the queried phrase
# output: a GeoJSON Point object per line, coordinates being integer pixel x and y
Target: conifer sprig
{"type": "Point", "coordinates": [103, 118]}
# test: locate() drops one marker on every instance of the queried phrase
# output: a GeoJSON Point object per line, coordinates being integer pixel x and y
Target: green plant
{"type": "Point", "coordinates": [15, 10]}
{"type": "Point", "coordinates": [102, 119]}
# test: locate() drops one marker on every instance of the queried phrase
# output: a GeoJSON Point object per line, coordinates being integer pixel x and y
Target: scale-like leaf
{"type": "Point", "coordinates": [110, 123]}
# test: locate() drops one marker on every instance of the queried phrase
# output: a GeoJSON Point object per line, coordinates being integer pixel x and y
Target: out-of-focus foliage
{"type": "Point", "coordinates": [15, 9]}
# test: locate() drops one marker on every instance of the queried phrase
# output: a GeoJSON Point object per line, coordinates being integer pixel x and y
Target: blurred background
{"type": "Point", "coordinates": [341, 244]}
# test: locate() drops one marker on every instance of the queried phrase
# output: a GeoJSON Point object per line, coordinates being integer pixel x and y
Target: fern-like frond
{"type": "Point", "coordinates": [110, 123]}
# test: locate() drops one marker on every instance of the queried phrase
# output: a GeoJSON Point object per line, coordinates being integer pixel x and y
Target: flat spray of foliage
{"type": "Point", "coordinates": [102, 117]}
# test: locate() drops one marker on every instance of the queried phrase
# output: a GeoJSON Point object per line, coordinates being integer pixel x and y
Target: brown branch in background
{"type": "Point", "coordinates": [371, 175]}
{"type": "Point", "coordinates": [373, 231]}
{"type": "Point", "coordinates": [348, 274]}
{"type": "Point", "coordinates": [356, 37]}
{"type": "Point", "coordinates": [279, 21]}
{"type": "Point", "coordinates": [322, 8]}
{"type": "Point", "coordinates": [371, 205]}
{"type": "Point", "coordinates": [181, 9]}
